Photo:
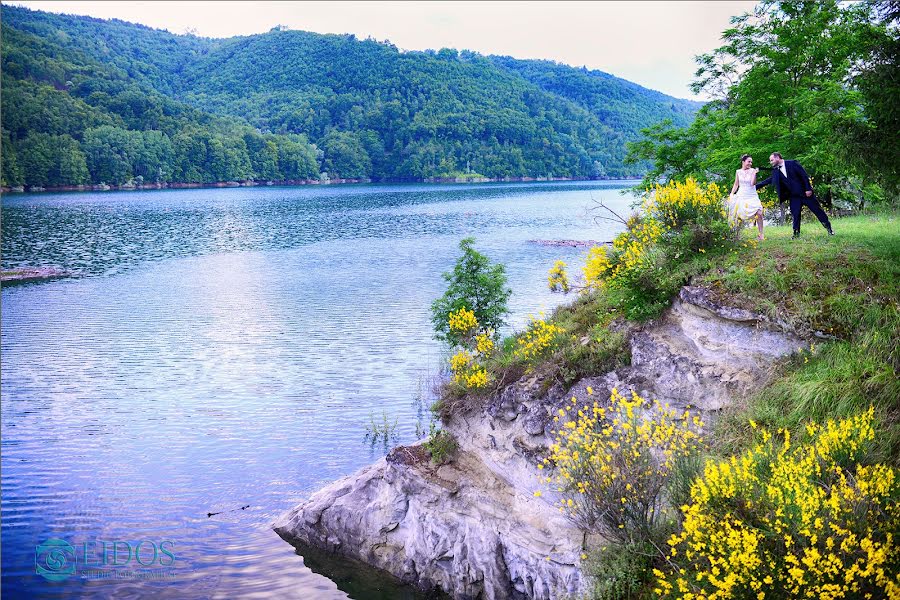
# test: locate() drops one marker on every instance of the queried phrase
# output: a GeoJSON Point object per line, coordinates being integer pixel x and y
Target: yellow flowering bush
{"type": "Point", "coordinates": [788, 520]}
{"type": "Point", "coordinates": [557, 278]}
{"type": "Point", "coordinates": [677, 205]}
{"type": "Point", "coordinates": [535, 341]}
{"type": "Point", "coordinates": [467, 371]}
{"type": "Point", "coordinates": [484, 344]}
{"type": "Point", "coordinates": [467, 364]}
{"type": "Point", "coordinates": [611, 463]}
{"type": "Point", "coordinates": [676, 223]}
{"type": "Point", "coordinates": [597, 268]}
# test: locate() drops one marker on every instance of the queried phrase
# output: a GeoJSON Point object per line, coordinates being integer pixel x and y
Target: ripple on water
{"type": "Point", "coordinates": [228, 348]}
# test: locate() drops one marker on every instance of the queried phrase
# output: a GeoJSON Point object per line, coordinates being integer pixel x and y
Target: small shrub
{"type": "Point", "coordinates": [620, 571]}
{"type": "Point", "coordinates": [441, 445]}
{"type": "Point", "coordinates": [475, 285]}
{"type": "Point", "coordinates": [557, 278]}
{"type": "Point", "coordinates": [536, 341]}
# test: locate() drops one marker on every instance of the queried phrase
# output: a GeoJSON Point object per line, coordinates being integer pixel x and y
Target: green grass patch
{"type": "Point", "coordinates": [845, 289]}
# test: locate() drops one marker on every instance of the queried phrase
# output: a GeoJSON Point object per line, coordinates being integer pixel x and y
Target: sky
{"type": "Point", "coordinates": [650, 43]}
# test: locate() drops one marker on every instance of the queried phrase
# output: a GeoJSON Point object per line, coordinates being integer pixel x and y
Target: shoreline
{"type": "Point", "coordinates": [102, 187]}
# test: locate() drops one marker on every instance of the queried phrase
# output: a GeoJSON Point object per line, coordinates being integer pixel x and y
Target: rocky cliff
{"type": "Point", "coordinates": [474, 528]}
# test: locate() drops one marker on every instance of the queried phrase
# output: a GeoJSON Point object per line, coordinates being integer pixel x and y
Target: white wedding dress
{"type": "Point", "coordinates": [744, 205]}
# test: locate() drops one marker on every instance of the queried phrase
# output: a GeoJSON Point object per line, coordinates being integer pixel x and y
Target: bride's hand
{"type": "Point", "coordinates": [756, 171]}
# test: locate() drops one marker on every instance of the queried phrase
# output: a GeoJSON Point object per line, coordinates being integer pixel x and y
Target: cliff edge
{"type": "Point", "coordinates": [474, 528]}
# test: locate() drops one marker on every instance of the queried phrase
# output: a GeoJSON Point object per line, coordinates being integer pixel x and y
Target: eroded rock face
{"type": "Point", "coordinates": [474, 528]}
{"type": "Point", "coordinates": [457, 527]}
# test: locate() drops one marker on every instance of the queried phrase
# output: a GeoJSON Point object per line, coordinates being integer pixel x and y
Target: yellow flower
{"type": "Point", "coordinates": [462, 321]}
{"type": "Point", "coordinates": [557, 278]}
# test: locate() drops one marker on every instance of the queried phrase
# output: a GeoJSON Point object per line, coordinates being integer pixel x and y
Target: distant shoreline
{"type": "Point", "coordinates": [290, 183]}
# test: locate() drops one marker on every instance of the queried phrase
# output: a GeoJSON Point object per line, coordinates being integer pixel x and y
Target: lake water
{"type": "Point", "coordinates": [224, 351]}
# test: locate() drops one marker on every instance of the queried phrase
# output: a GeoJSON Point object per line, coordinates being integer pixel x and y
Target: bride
{"type": "Point", "coordinates": [744, 203]}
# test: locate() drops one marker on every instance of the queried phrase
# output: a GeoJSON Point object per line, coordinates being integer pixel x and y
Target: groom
{"type": "Point", "coordinates": [792, 183]}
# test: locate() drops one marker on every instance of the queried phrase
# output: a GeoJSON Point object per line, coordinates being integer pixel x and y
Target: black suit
{"type": "Point", "coordinates": [793, 188]}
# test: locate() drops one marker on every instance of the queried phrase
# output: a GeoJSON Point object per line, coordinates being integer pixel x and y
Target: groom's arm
{"type": "Point", "coordinates": [764, 182]}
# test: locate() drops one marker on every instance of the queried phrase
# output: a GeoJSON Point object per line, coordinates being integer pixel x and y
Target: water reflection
{"type": "Point", "coordinates": [228, 348]}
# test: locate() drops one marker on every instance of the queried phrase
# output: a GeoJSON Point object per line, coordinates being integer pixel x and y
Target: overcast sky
{"type": "Point", "coordinates": [650, 43]}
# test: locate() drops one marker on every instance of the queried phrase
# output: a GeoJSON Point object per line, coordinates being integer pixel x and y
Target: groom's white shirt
{"type": "Point", "coordinates": [783, 169]}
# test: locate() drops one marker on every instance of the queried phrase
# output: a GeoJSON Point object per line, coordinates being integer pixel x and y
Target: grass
{"type": "Point", "coordinates": [844, 290]}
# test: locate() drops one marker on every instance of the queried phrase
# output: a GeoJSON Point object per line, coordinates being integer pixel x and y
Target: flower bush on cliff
{"type": "Point", "coordinates": [467, 365]}
{"type": "Point", "coordinates": [679, 226]}
{"type": "Point", "coordinates": [534, 343]}
{"type": "Point", "coordinates": [611, 463]}
{"type": "Point", "coordinates": [789, 520]}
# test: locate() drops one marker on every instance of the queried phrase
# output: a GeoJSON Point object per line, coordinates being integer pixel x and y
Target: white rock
{"type": "Point", "coordinates": [474, 527]}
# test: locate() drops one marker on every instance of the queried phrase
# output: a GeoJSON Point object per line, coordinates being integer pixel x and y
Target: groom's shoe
{"type": "Point", "coordinates": [796, 235]}
{"type": "Point", "coordinates": [830, 231]}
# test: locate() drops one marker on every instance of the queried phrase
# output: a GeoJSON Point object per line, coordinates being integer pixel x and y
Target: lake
{"type": "Point", "coordinates": [219, 354]}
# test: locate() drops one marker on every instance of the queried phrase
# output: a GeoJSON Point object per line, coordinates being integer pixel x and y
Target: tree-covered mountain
{"type": "Point", "coordinates": [87, 100]}
{"type": "Point", "coordinates": [79, 106]}
{"type": "Point", "coordinates": [620, 104]}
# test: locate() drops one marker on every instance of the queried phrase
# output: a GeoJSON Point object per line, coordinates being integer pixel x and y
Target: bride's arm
{"type": "Point", "coordinates": [755, 173]}
{"type": "Point", "coordinates": [734, 188]}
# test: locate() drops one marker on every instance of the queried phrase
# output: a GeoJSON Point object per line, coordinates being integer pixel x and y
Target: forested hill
{"type": "Point", "coordinates": [90, 101]}
{"type": "Point", "coordinates": [618, 103]}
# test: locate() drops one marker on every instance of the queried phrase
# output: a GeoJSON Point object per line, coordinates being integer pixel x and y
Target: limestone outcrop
{"type": "Point", "coordinates": [474, 527]}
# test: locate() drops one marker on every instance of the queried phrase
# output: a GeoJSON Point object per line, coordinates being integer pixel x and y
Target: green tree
{"type": "Point", "coordinates": [474, 284]}
{"type": "Point", "coordinates": [70, 164]}
{"type": "Point", "coordinates": [263, 156]}
{"type": "Point", "coordinates": [345, 156]}
{"type": "Point", "coordinates": [780, 82]}
{"type": "Point", "coordinates": [296, 158]}
{"type": "Point", "coordinates": [11, 173]}
{"type": "Point", "coordinates": [153, 154]}
{"type": "Point", "coordinates": [873, 144]}
{"type": "Point", "coordinates": [109, 151]}
{"type": "Point", "coordinates": [37, 159]}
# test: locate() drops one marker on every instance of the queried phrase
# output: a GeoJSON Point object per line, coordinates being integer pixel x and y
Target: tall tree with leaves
{"type": "Point", "coordinates": [781, 82]}
{"type": "Point", "coordinates": [474, 284]}
{"type": "Point", "coordinates": [873, 144]}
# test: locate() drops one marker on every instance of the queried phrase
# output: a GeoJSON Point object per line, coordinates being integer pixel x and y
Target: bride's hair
{"type": "Point", "coordinates": [743, 158]}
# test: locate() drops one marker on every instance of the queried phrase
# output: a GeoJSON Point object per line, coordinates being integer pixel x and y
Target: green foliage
{"type": "Point", "coordinates": [474, 284]}
{"type": "Point", "coordinates": [345, 155]}
{"type": "Point", "coordinates": [53, 160]}
{"type": "Point", "coordinates": [620, 571]}
{"type": "Point", "coordinates": [845, 288]}
{"type": "Point", "coordinates": [873, 144]}
{"type": "Point", "coordinates": [441, 445]}
{"type": "Point", "coordinates": [248, 107]}
{"type": "Point", "coordinates": [775, 90]}
{"type": "Point", "coordinates": [76, 112]}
